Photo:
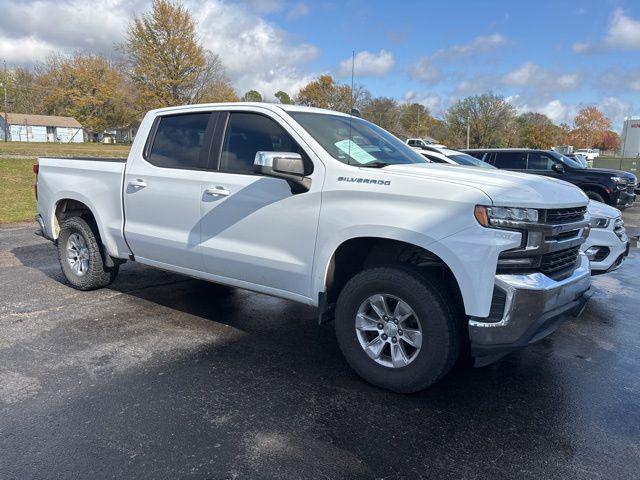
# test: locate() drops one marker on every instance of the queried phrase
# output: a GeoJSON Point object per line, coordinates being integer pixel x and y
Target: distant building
{"type": "Point", "coordinates": [41, 128]}
{"type": "Point", "coordinates": [117, 135]}
{"type": "Point", "coordinates": [630, 140]}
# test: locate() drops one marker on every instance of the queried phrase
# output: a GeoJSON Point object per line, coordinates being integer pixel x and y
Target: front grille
{"type": "Point", "coordinates": [631, 189]}
{"type": "Point", "coordinates": [556, 216]}
{"type": "Point", "coordinates": [563, 236]}
{"type": "Point", "coordinates": [560, 260]}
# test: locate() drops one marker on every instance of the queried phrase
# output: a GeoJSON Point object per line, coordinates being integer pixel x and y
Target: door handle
{"type": "Point", "coordinates": [218, 190]}
{"type": "Point", "coordinates": [139, 183]}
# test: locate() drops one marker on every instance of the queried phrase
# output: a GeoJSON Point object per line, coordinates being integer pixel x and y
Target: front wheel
{"type": "Point", "coordinates": [80, 256]}
{"type": "Point", "coordinates": [396, 328]}
{"type": "Point", "coordinates": [595, 196]}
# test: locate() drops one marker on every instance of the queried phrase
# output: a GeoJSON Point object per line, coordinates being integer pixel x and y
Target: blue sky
{"type": "Point", "coordinates": [547, 56]}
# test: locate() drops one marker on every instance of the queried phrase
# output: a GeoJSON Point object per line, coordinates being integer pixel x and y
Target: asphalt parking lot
{"type": "Point", "coordinates": [163, 376]}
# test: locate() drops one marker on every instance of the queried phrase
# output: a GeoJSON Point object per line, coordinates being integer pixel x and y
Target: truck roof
{"type": "Point", "coordinates": [275, 107]}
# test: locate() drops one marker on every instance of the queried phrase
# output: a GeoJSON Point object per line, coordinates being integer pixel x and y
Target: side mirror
{"type": "Point", "coordinates": [558, 167]}
{"type": "Point", "coordinates": [285, 165]}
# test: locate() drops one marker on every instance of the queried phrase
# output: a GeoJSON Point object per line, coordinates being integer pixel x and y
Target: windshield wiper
{"type": "Point", "coordinates": [375, 164]}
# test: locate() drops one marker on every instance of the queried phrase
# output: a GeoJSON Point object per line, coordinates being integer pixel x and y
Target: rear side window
{"type": "Point", "coordinates": [511, 160]}
{"type": "Point", "coordinates": [249, 133]}
{"type": "Point", "coordinates": [178, 141]}
{"type": "Point", "coordinates": [539, 161]}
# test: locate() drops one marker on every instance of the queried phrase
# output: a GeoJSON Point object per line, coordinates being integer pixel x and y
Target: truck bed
{"type": "Point", "coordinates": [93, 181]}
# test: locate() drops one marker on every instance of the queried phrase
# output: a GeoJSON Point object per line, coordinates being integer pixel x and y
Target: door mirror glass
{"type": "Point", "coordinates": [286, 165]}
{"type": "Point", "coordinates": [558, 167]}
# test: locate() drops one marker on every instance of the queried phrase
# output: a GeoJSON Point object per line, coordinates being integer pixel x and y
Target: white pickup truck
{"type": "Point", "coordinates": [416, 262]}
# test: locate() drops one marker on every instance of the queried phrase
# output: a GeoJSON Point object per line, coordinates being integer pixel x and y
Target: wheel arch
{"type": "Point", "coordinates": [357, 253]}
{"type": "Point", "coordinates": [598, 189]}
{"type": "Point", "coordinates": [70, 205]}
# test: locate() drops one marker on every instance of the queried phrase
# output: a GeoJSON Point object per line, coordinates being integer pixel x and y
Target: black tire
{"type": "Point", "coordinates": [595, 196]}
{"type": "Point", "coordinates": [441, 329]}
{"type": "Point", "coordinates": [97, 275]}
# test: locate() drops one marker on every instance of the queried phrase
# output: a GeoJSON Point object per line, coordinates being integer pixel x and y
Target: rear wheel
{"type": "Point", "coordinates": [80, 256]}
{"type": "Point", "coordinates": [396, 328]}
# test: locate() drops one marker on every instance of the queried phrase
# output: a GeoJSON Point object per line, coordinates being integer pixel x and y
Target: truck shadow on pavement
{"type": "Point", "coordinates": [267, 393]}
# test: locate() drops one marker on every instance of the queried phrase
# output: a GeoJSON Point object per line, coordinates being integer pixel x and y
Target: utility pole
{"type": "Point", "coordinates": [468, 129]}
{"type": "Point", "coordinates": [418, 126]}
{"type": "Point", "coordinates": [3, 84]}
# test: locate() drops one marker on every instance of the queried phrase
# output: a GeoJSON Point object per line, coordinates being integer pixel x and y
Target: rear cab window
{"type": "Point", "coordinates": [539, 161]}
{"type": "Point", "coordinates": [178, 141]}
{"type": "Point", "coordinates": [511, 160]}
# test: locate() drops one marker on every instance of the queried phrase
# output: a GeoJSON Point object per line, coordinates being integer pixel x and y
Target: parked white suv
{"type": "Point", "coordinates": [413, 260]}
{"type": "Point", "coordinates": [607, 244]}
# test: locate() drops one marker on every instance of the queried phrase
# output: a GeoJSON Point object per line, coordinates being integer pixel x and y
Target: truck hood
{"type": "Point", "coordinates": [505, 188]}
{"type": "Point", "coordinates": [599, 209]}
{"type": "Point", "coordinates": [610, 173]}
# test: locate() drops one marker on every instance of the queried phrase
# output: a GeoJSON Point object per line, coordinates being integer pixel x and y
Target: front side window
{"type": "Point", "coordinates": [249, 133]}
{"type": "Point", "coordinates": [567, 161]}
{"type": "Point", "coordinates": [355, 141]}
{"type": "Point", "coordinates": [511, 160]}
{"type": "Point", "coordinates": [540, 161]}
{"type": "Point", "coordinates": [178, 141]}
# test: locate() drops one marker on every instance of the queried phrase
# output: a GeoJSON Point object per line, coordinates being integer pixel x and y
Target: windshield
{"type": "Point", "coordinates": [359, 143]}
{"type": "Point", "coordinates": [566, 160]}
{"type": "Point", "coordinates": [464, 159]}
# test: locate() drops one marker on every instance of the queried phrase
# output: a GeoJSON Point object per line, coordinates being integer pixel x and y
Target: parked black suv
{"type": "Point", "coordinates": [614, 187]}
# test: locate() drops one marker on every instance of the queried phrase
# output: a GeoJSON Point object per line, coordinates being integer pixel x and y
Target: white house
{"type": "Point", "coordinates": [40, 128]}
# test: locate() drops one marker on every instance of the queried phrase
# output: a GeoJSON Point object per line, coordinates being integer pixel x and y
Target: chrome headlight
{"type": "Point", "coordinates": [504, 216]}
{"type": "Point", "coordinates": [599, 222]}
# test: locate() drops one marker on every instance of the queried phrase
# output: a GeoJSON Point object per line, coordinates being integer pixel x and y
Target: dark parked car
{"type": "Point", "coordinates": [614, 187]}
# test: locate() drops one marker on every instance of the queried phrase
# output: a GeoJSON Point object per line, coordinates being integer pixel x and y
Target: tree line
{"type": "Point", "coordinates": [161, 62]}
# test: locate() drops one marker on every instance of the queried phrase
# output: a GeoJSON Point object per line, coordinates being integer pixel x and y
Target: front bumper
{"type": "Point", "coordinates": [626, 198]}
{"type": "Point", "coordinates": [534, 306]}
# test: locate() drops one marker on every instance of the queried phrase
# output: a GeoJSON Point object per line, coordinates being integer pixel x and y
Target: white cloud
{"type": "Point", "coordinates": [624, 32]}
{"type": "Point", "coordinates": [581, 47]}
{"type": "Point", "coordinates": [259, 53]}
{"type": "Point", "coordinates": [67, 26]}
{"type": "Point", "coordinates": [484, 43]}
{"type": "Point", "coordinates": [24, 50]}
{"type": "Point", "coordinates": [264, 6]}
{"type": "Point", "coordinates": [561, 112]}
{"type": "Point", "coordinates": [534, 76]}
{"type": "Point", "coordinates": [616, 109]}
{"type": "Point", "coordinates": [425, 71]}
{"type": "Point", "coordinates": [255, 52]}
{"type": "Point", "coordinates": [431, 101]}
{"type": "Point", "coordinates": [556, 110]}
{"type": "Point", "coordinates": [367, 64]}
{"type": "Point", "coordinates": [299, 10]}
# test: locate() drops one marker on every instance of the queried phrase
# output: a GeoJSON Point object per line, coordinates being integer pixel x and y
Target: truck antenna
{"type": "Point", "coordinates": [353, 67]}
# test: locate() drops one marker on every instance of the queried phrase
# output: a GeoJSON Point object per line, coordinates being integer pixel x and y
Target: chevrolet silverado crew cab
{"type": "Point", "coordinates": [613, 187]}
{"type": "Point", "coordinates": [415, 262]}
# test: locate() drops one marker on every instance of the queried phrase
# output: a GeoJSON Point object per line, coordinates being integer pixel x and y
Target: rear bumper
{"type": "Point", "coordinates": [535, 306]}
{"type": "Point", "coordinates": [42, 231]}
